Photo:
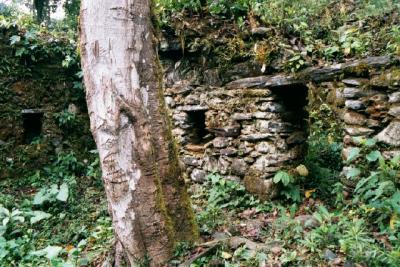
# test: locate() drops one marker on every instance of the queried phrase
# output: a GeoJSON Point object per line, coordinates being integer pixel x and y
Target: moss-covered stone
{"type": "Point", "coordinates": [359, 70]}
{"type": "Point", "coordinates": [256, 184]}
{"type": "Point", "coordinates": [389, 78]}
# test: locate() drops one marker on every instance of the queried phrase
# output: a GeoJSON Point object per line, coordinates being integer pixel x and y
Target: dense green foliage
{"type": "Point", "coordinates": [298, 33]}
{"type": "Point", "coordinates": [36, 42]}
{"type": "Point", "coordinates": [43, 9]}
{"type": "Point", "coordinates": [55, 215]}
{"type": "Point", "coordinates": [52, 210]}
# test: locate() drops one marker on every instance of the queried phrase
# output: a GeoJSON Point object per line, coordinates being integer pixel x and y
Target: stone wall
{"type": "Point", "coordinates": [242, 133]}
{"type": "Point", "coordinates": [29, 87]}
{"type": "Point", "coordinates": [249, 128]}
{"type": "Point", "coordinates": [372, 110]}
{"type": "Point", "coordinates": [244, 130]}
{"type": "Point", "coordinates": [32, 93]}
{"type": "Point", "coordinates": [233, 120]}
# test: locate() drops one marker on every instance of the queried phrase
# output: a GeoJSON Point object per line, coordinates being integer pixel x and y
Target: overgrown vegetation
{"type": "Point", "coordinates": [316, 226]}
{"type": "Point", "coordinates": [53, 213]}
{"type": "Point", "coordinates": [56, 216]}
{"type": "Point", "coordinates": [52, 206]}
{"type": "Point", "coordinates": [287, 35]}
{"type": "Point", "coordinates": [312, 230]}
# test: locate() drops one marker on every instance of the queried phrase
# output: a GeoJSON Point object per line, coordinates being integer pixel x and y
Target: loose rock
{"type": "Point", "coordinates": [395, 111]}
{"type": "Point", "coordinates": [354, 118]}
{"type": "Point", "coordinates": [307, 221]}
{"type": "Point", "coordinates": [198, 176]}
{"type": "Point", "coordinates": [329, 255]}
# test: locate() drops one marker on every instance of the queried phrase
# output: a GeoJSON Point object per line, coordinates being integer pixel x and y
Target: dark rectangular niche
{"type": "Point", "coordinates": [197, 131]}
{"type": "Point", "coordinates": [294, 100]}
{"type": "Point", "coordinates": [32, 124]}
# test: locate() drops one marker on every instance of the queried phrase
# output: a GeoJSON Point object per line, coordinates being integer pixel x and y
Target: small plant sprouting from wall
{"type": "Point", "coordinates": [65, 119]}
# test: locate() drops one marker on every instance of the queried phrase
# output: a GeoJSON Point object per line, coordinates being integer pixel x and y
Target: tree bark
{"type": "Point", "coordinates": [146, 193]}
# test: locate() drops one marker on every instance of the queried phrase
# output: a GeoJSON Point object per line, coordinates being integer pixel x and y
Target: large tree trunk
{"type": "Point", "coordinates": [145, 191]}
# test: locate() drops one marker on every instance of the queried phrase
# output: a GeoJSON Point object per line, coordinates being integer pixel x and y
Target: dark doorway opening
{"type": "Point", "coordinates": [294, 99]}
{"type": "Point", "coordinates": [197, 130]}
{"type": "Point", "coordinates": [32, 123]}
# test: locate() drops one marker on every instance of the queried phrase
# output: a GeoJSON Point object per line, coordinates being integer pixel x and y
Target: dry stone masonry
{"type": "Point", "coordinates": [32, 95]}
{"type": "Point", "coordinates": [248, 128]}
{"type": "Point", "coordinates": [372, 110]}
{"type": "Point", "coordinates": [240, 132]}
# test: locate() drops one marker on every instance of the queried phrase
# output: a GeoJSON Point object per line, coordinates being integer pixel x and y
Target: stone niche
{"type": "Point", "coordinates": [32, 124]}
{"type": "Point", "coordinates": [249, 128]}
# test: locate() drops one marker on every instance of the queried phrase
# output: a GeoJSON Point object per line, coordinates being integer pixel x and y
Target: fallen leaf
{"type": "Point", "coordinates": [302, 170]}
{"type": "Point", "coordinates": [226, 255]}
{"type": "Point", "coordinates": [308, 193]}
{"type": "Point", "coordinates": [393, 219]}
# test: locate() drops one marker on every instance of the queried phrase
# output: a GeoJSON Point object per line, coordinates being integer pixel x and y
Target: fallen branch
{"type": "Point", "coordinates": [233, 243]}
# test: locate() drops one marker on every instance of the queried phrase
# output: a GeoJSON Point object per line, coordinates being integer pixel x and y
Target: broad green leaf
{"type": "Point", "coordinates": [38, 216]}
{"type": "Point", "coordinates": [4, 212]}
{"type": "Point", "coordinates": [82, 243]}
{"type": "Point", "coordinates": [214, 178]}
{"type": "Point", "coordinates": [395, 202]}
{"type": "Point", "coordinates": [395, 160]}
{"type": "Point", "coordinates": [15, 39]}
{"type": "Point", "coordinates": [286, 179]}
{"type": "Point", "coordinates": [20, 51]}
{"type": "Point", "coordinates": [5, 221]}
{"type": "Point", "coordinates": [3, 230]}
{"type": "Point", "coordinates": [69, 264]}
{"type": "Point", "coordinates": [369, 194]}
{"type": "Point", "coordinates": [54, 188]}
{"type": "Point", "coordinates": [353, 172]}
{"type": "Point", "coordinates": [353, 154]}
{"type": "Point", "coordinates": [282, 177]}
{"type": "Point", "coordinates": [40, 197]}
{"type": "Point", "coordinates": [15, 213]}
{"type": "Point", "coordinates": [30, 35]}
{"type": "Point", "coordinates": [277, 177]}
{"type": "Point", "coordinates": [63, 193]}
{"type": "Point", "coordinates": [18, 218]}
{"type": "Point", "coordinates": [370, 142]}
{"type": "Point", "coordinates": [373, 156]}
{"type": "Point", "coordinates": [3, 252]}
{"type": "Point", "coordinates": [49, 252]}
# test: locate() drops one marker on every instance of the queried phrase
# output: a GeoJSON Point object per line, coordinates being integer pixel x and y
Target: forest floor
{"type": "Point", "coordinates": [57, 216]}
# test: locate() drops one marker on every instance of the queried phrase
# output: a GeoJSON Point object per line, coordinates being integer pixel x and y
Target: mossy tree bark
{"type": "Point", "coordinates": [145, 190]}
